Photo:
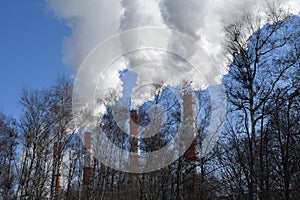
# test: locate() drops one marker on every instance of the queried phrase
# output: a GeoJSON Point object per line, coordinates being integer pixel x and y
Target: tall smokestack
{"type": "Point", "coordinates": [57, 156]}
{"type": "Point", "coordinates": [88, 148]}
{"type": "Point", "coordinates": [135, 142]}
{"type": "Point", "coordinates": [188, 114]}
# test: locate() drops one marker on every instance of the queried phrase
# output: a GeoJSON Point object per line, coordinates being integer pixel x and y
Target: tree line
{"type": "Point", "coordinates": [256, 157]}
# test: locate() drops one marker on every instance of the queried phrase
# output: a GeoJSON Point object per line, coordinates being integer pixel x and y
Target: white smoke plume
{"type": "Point", "coordinates": [93, 21]}
{"type": "Point", "coordinates": [90, 22]}
{"type": "Point", "coordinates": [142, 13]}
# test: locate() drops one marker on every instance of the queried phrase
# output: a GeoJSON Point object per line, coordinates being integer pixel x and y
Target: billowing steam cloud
{"type": "Point", "coordinates": [90, 22]}
{"type": "Point", "coordinates": [93, 21]}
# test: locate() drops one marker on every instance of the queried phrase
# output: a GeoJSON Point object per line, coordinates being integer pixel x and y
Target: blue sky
{"type": "Point", "coordinates": [30, 50]}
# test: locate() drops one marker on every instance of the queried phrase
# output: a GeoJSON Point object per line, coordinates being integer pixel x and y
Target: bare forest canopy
{"type": "Point", "coordinates": [256, 157]}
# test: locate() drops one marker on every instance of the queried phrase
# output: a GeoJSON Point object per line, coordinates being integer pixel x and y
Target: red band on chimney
{"type": "Point", "coordinates": [88, 148]}
{"type": "Point", "coordinates": [188, 111]}
{"type": "Point", "coordinates": [58, 184]}
{"type": "Point", "coordinates": [134, 123]}
{"type": "Point", "coordinates": [87, 175]}
{"type": "Point", "coordinates": [134, 131]}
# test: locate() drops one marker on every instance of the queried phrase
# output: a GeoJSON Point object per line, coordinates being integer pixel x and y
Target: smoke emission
{"type": "Point", "coordinates": [93, 21]}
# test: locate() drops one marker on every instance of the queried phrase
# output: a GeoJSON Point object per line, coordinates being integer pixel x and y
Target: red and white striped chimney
{"type": "Point", "coordinates": [188, 113]}
{"type": "Point", "coordinates": [88, 150]}
{"type": "Point", "coordinates": [57, 156]}
{"type": "Point", "coordinates": [134, 131]}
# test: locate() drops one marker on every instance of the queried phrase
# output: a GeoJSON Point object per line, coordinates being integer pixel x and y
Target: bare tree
{"type": "Point", "coordinates": [250, 83]}
{"type": "Point", "coordinates": [35, 128]}
{"type": "Point", "coordinates": [8, 145]}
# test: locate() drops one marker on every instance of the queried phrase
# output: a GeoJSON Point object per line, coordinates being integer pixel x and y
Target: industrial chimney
{"type": "Point", "coordinates": [135, 141]}
{"type": "Point", "coordinates": [188, 114]}
{"type": "Point", "coordinates": [88, 148]}
{"type": "Point", "coordinates": [57, 156]}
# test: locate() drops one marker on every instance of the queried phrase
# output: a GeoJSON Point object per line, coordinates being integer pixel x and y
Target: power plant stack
{"type": "Point", "coordinates": [134, 132]}
{"type": "Point", "coordinates": [88, 150]}
{"type": "Point", "coordinates": [188, 111]}
{"type": "Point", "coordinates": [57, 156]}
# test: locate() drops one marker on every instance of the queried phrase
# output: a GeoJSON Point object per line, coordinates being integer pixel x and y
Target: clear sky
{"type": "Point", "coordinates": [30, 50]}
